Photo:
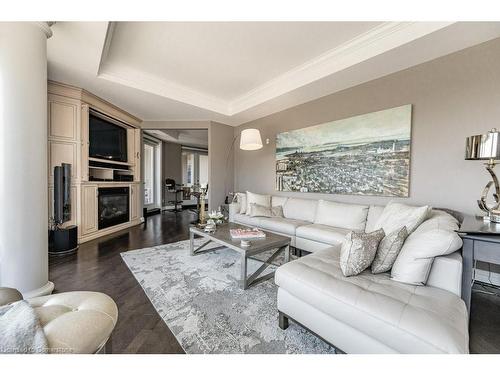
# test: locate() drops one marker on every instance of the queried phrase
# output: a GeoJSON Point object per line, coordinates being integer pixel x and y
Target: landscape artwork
{"type": "Point", "coordinates": [365, 155]}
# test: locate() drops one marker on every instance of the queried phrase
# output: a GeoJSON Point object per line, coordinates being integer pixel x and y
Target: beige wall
{"type": "Point", "coordinates": [220, 169]}
{"type": "Point", "coordinates": [452, 97]}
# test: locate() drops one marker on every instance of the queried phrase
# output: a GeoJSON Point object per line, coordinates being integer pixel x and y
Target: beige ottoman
{"type": "Point", "coordinates": [74, 322]}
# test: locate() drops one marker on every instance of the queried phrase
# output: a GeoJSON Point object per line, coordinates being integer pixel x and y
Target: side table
{"type": "Point", "coordinates": [481, 243]}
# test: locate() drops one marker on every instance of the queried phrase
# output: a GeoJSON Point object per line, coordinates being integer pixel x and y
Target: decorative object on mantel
{"type": "Point", "coordinates": [214, 218]}
{"type": "Point", "coordinates": [217, 216]}
{"type": "Point", "coordinates": [203, 193]}
{"type": "Point", "coordinates": [486, 147]}
{"type": "Point", "coordinates": [250, 141]}
{"type": "Point", "coordinates": [367, 154]}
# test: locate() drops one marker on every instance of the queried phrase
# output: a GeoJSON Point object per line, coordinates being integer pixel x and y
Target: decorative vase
{"type": "Point", "coordinates": [202, 217]}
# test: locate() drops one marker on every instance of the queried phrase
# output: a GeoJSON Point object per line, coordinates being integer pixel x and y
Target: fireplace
{"type": "Point", "coordinates": [113, 205]}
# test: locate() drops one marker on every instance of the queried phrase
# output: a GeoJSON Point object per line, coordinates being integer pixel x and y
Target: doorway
{"type": "Point", "coordinates": [152, 173]}
{"type": "Point", "coordinates": [185, 161]}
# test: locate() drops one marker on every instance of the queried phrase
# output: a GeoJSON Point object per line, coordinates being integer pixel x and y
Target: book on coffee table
{"type": "Point", "coordinates": [243, 234]}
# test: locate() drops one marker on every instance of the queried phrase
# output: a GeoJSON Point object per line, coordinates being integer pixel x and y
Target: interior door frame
{"type": "Point", "coordinates": [157, 193]}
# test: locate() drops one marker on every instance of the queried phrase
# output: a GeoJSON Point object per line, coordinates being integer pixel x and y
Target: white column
{"type": "Point", "coordinates": [23, 157]}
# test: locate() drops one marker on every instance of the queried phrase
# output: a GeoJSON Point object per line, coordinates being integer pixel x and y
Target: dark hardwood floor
{"type": "Point", "coordinates": [98, 266]}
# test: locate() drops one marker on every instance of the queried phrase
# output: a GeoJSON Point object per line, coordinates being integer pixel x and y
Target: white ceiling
{"type": "Point", "coordinates": [225, 59]}
{"type": "Point", "coordinates": [234, 72]}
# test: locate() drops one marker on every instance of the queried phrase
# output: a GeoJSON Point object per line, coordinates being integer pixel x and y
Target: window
{"type": "Point", "coordinates": [194, 167]}
{"type": "Point", "coordinates": [149, 169]}
{"type": "Point", "coordinates": [203, 170]}
{"type": "Point", "coordinates": [152, 166]}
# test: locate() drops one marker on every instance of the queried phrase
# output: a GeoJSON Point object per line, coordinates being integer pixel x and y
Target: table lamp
{"type": "Point", "coordinates": [486, 147]}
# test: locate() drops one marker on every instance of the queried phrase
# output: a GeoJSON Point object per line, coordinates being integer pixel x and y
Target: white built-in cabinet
{"type": "Point", "coordinates": [134, 206]}
{"type": "Point", "coordinates": [89, 214]}
{"type": "Point", "coordinates": [68, 142]}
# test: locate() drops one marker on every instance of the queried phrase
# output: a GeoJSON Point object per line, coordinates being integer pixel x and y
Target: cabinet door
{"type": "Point", "coordinates": [135, 202]}
{"type": "Point", "coordinates": [63, 118]}
{"type": "Point", "coordinates": [89, 209]}
{"type": "Point", "coordinates": [138, 161]}
{"type": "Point", "coordinates": [85, 143]}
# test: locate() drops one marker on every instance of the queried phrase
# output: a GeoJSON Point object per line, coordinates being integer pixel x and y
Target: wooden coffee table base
{"type": "Point", "coordinates": [246, 280]}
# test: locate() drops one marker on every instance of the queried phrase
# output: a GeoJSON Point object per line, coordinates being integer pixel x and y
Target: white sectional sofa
{"type": "Point", "coordinates": [367, 313]}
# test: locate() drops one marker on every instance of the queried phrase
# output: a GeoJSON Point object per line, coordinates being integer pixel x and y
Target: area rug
{"type": "Point", "coordinates": [199, 299]}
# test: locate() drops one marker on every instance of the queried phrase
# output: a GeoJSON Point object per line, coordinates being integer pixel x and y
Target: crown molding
{"type": "Point", "coordinates": [380, 39]}
{"type": "Point", "coordinates": [376, 41]}
{"type": "Point", "coordinates": [154, 85]}
{"type": "Point", "coordinates": [45, 27]}
{"type": "Point", "coordinates": [106, 45]}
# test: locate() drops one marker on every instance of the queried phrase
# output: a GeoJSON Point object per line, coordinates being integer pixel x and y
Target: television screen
{"type": "Point", "coordinates": [107, 140]}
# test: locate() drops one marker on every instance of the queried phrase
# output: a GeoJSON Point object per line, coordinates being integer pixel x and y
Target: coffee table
{"type": "Point", "coordinates": [274, 242]}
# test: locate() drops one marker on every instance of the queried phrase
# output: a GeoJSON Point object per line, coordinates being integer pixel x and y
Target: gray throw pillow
{"type": "Point", "coordinates": [388, 250]}
{"type": "Point", "coordinates": [277, 211]}
{"type": "Point", "coordinates": [358, 250]}
{"type": "Point", "coordinates": [257, 210]}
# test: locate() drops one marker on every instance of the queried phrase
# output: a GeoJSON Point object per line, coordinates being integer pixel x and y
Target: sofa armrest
{"type": "Point", "coordinates": [234, 208]}
{"type": "Point", "coordinates": [9, 295]}
{"type": "Point", "coordinates": [446, 273]}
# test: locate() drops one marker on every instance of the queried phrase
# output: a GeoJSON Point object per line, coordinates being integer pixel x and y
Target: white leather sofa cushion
{"type": "Point", "coordinates": [341, 215]}
{"type": "Point", "coordinates": [310, 245]}
{"type": "Point", "coordinates": [281, 224]}
{"type": "Point", "coordinates": [79, 322]}
{"type": "Point", "coordinates": [300, 209]}
{"type": "Point", "coordinates": [322, 233]}
{"type": "Point", "coordinates": [407, 318]}
{"type": "Point", "coordinates": [374, 213]}
{"type": "Point", "coordinates": [446, 273]}
{"type": "Point", "coordinates": [278, 201]}
{"type": "Point", "coordinates": [397, 215]}
{"type": "Point", "coordinates": [434, 237]}
{"type": "Point", "coordinates": [261, 199]}
{"type": "Point", "coordinates": [247, 220]}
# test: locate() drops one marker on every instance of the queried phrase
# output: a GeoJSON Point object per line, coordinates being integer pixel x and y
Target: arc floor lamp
{"type": "Point", "coordinates": [250, 140]}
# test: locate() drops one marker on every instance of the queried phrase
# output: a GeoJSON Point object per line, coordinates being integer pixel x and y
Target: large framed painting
{"type": "Point", "coordinates": [367, 155]}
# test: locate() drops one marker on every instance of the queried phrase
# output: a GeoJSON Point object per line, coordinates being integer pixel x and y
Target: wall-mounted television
{"type": "Point", "coordinates": [107, 140]}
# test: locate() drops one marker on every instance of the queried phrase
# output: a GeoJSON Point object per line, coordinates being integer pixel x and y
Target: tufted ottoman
{"type": "Point", "coordinates": [75, 322]}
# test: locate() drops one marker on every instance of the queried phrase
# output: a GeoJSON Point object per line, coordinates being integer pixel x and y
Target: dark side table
{"type": "Point", "coordinates": [481, 243]}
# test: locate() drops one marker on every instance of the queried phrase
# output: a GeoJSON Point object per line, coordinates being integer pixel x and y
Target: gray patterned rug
{"type": "Point", "coordinates": [199, 299]}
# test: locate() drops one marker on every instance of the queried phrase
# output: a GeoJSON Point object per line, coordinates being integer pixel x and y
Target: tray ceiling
{"type": "Point", "coordinates": [234, 72]}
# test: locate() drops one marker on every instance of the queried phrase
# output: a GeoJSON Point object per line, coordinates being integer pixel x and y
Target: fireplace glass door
{"type": "Point", "coordinates": [114, 206]}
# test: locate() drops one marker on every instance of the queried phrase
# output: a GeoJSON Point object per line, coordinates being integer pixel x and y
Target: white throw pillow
{"type": "Point", "coordinates": [261, 199]}
{"type": "Point", "coordinates": [397, 215]}
{"type": "Point", "coordinates": [435, 237]}
{"type": "Point", "coordinates": [241, 198]}
{"type": "Point", "coordinates": [341, 215]}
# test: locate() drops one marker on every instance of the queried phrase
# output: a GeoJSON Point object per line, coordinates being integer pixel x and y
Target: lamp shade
{"type": "Point", "coordinates": [483, 146]}
{"type": "Point", "coordinates": [250, 140]}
